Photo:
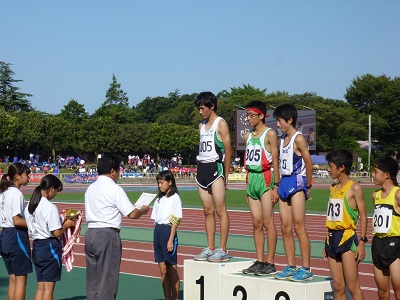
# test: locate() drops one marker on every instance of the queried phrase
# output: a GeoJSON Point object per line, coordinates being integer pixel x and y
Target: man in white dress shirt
{"type": "Point", "coordinates": [105, 204]}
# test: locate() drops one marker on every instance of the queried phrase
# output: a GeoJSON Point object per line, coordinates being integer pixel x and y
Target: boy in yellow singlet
{"type": "Point", "coordinates": [386, 228]}
{"type": "Point", "coordinates": [343, 250]}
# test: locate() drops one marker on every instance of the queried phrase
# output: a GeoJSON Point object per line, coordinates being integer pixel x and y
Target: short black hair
{"type": "Point", "coordinates": [259, 105]}
{"type": "Point", "coordinates": [389, 165]}
{"type": "Point", "coordinates": [167, 175]}
{"type": "Point", "coordinates": [286, 111]}
{"type": "Point", "coordinates": [207, 99]}
{"type": "Point", "coordinates": [107, 163]}
{"type": "Point", "coordinates": [341, 157]}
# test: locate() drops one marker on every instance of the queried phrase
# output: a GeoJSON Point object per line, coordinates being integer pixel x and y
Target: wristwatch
{"type": "Point", "coordinates": [309, 186]}
{"type": "Point", "coordinates": [364, 239]}
{"type": "Point", "coordinates": [277, 184]}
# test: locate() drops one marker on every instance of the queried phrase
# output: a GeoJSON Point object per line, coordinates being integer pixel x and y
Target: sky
{"type": "Point", "coordinates": [65, 50]}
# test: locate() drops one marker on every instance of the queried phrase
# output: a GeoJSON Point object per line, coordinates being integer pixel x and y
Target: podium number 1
{"type": "Point", "coordinates": [201, 282]}
{"type": "Point", "coordinates": [236, 290]}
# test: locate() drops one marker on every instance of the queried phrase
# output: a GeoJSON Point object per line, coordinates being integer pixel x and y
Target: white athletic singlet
{"type": "Point", "coordinates": [289, 162]}
{"type": "Point", "coordinates": [211, 149]}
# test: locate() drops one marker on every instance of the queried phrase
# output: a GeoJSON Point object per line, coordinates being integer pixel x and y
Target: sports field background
{"type": "Point", "coordinates": [235, 198]}
{"type": "Point", "coordinates": [72, 285]}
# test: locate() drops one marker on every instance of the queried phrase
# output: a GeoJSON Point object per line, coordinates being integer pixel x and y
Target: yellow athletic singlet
{"type": "Point", "coordinates": [386, 222]}
{"type": "Point", "coordinates": [340, 215]}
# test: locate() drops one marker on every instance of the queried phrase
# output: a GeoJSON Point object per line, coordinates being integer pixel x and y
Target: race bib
{"type": "Point", "coordinates": [335, 210]}
{"type": "Point", "coordinates": [253, 155]}
{"type": "Point", "coordinates": [382, 220]}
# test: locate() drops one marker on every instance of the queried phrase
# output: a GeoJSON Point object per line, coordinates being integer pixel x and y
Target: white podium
{"type": "Point", "coordinates": [202, 278]}
{"type": "Point", "coordinates": [225, 281]}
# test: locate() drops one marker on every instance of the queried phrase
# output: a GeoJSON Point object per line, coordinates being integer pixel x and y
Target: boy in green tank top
{"type": "Point", "coordinates": [262, 165]}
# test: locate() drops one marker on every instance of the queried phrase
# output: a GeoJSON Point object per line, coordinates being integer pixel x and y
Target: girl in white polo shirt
{"type": "Point", "coordinates": [167, 215]}
{"type": "Point", "coordinates": [45, 228]}
{"type": "Point", "coordinates": [14, 240]}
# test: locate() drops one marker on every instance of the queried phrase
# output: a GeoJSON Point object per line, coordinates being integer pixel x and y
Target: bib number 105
{"type": "Point", "coordinates": [205, 146]}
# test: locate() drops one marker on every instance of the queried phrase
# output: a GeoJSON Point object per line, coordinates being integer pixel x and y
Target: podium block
{"type": "Point", "coordinates": [241, 286]}
{"type": "Point", "coordinates": [320, 288]}
{"type": "Point", "coordinates": [202, 278]}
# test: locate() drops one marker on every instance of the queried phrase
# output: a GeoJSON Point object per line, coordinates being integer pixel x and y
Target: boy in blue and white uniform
{"type": "Point", "coordinates": [295, 167]}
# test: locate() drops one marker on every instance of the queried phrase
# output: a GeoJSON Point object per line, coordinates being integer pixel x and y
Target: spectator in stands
{"type": "Point", "coordinates": [56, 170]}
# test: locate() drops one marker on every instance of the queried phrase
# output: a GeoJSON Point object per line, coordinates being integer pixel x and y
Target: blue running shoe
{"type": "Point", "coordinates": [302, 275]}
{"type": "Point", "coordinates": [219, 255]}
{"type": "Point", "coordinates": [286, 273]}
{"type": "Point", "coordinates": [204, 255]}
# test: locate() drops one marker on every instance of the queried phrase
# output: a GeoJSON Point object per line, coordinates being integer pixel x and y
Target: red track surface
{"type": "Point", "coordinates": [138, 256]}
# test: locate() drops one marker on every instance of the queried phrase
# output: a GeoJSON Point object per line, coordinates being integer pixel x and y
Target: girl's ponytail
{"type": "Point", "coordinates": [35, 199]}
{"type": "Point", "coordinates": [47, 182]}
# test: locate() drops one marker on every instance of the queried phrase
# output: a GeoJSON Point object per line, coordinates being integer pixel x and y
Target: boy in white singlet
{"type": "Point", "coordinates": [214, 161]}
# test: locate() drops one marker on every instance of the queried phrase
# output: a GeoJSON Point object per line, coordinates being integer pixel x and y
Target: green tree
{"type": "Point", "coordinates": [7, 123]}
{"type": "Point", "coordinates": [116, 105]}
{"type": "Point", "coordinates": [97, 135]}
{"type": "Point", "coordinates": [379, 96]}
{"type": "Point", "coordinates": [74, 112]}
{"type": "Point", "coordinates": [149, 109]}
{"type": "Point", "coordinates": [26, 130]}
{"type": "Point", "coordinates": [115, 95]}
{"type": "Point", "coordinates": [181, 111]}
{"type": "Point", "coordinates": [10, 96]}
{"type": "Point", "coordinates": [59, 135]}
{"type": "Point", "coordinates": [172, 138]}
{"type": "Point", "coordinates": [243, 95]}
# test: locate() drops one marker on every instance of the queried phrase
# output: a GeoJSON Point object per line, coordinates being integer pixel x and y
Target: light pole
{"type": "Point", "coordinates": [369, 143]}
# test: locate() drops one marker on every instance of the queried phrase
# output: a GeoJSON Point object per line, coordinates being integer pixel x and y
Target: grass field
{"type": "Point", "coordinates": [236, 199]}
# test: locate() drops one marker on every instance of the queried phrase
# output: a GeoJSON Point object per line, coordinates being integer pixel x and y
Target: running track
{"type": "Point", "coordinates": [138, 256]}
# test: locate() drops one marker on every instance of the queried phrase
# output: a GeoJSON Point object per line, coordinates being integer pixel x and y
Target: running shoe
{"type": "Point", "coordinates": [302, 275]}
{"type": "Point", "coordinates": [286, 273]}
{"type": "Point", "coordinates": [266, 269]}
{"type": "Point", "coordinates": [204, 255]}
{"type": "Point", "coordinates": [254, 267]}
{"type": "Point", "coordinates": [219, 255]}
